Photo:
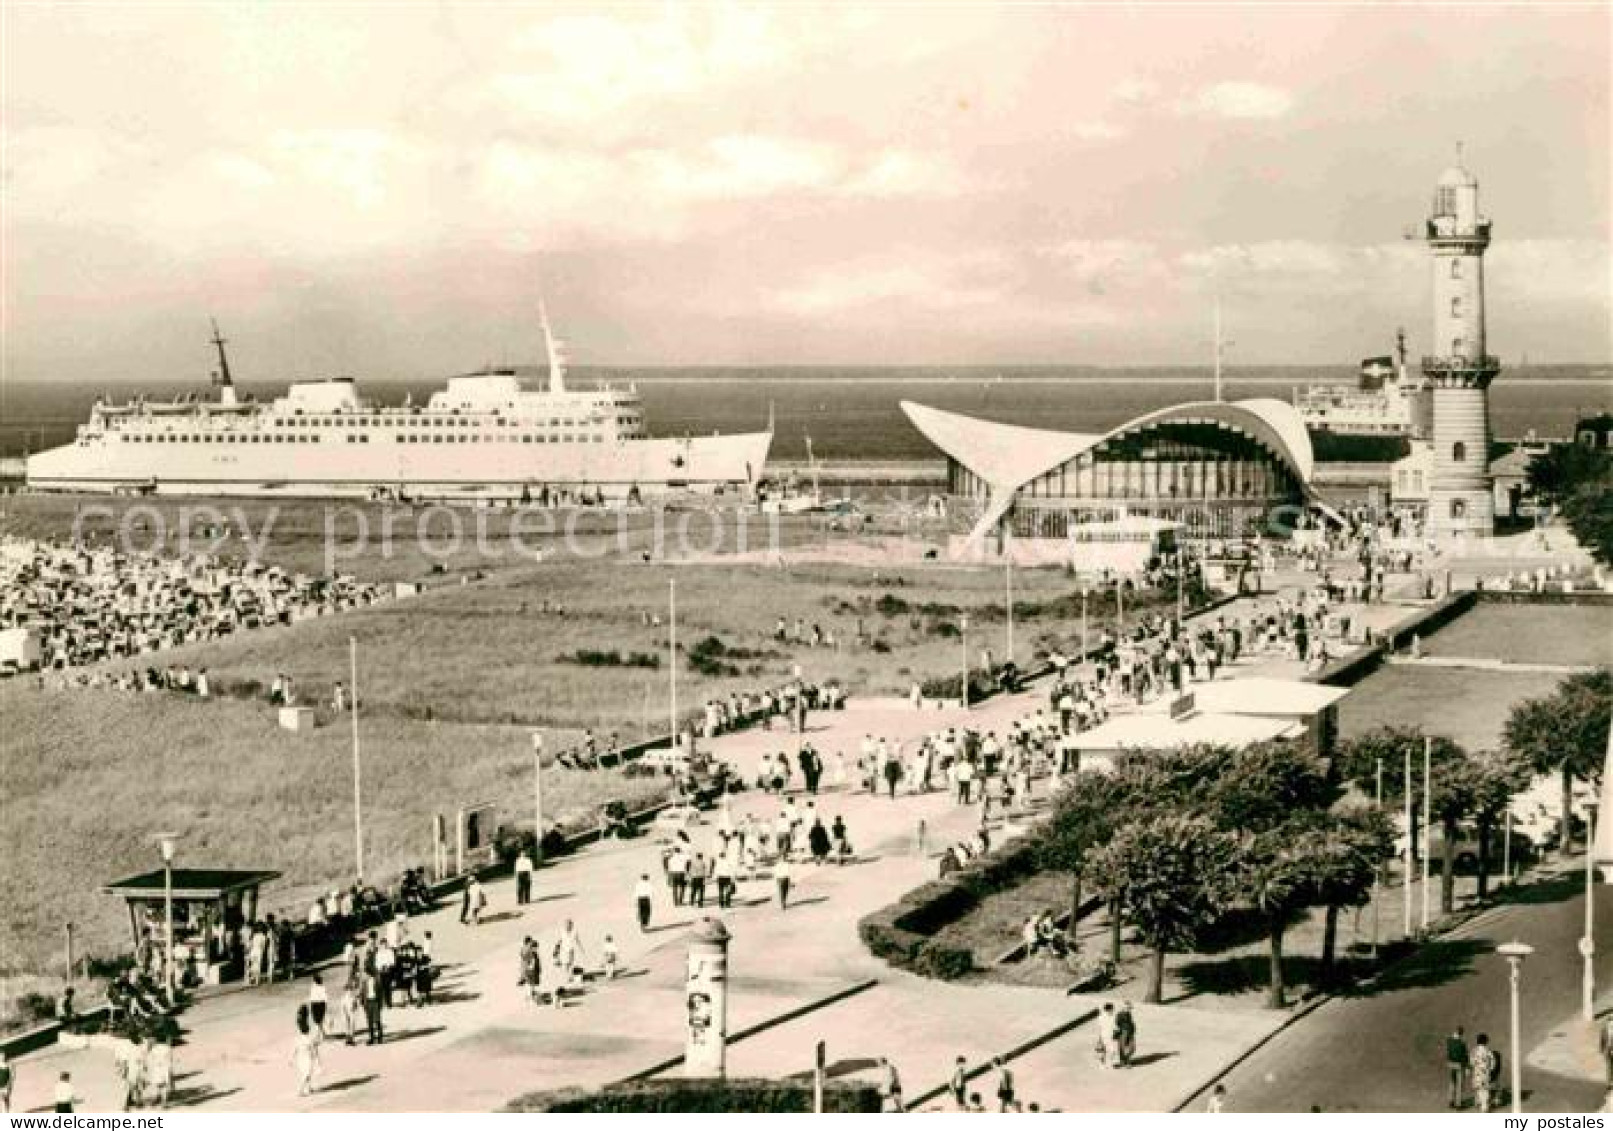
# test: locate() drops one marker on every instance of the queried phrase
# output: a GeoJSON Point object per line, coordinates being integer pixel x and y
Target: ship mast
{"type": "Point", "coordinates": [556, 351]}
{"type": "Point", "coordinates": [1221, 345]}
{"type": "Point", "coordinates": [226, 384]}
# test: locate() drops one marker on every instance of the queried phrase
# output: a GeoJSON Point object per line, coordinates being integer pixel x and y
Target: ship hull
{"type": "Point", "coordinates": [652, 466]}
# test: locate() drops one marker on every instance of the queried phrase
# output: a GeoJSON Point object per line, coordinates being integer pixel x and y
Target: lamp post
{"type": "Point", "coordinates": [963, 623]}
{"type": "Point", "coordinates": [165, 841]}
{"type": "Point", "coordinates": [1515, 952]}
{"type": "Point", "coordinates": [672, 659]}
{"type": "Point", "coordinates": [1377, 869]}
{"type": "Point", "coordinates": [1008, 583]}
{"type": "Point", "coordinates": [1587, 945]}
{"type": "Point", "coordinates": [1428, 801]}
{"type": "Point", "coordinates": [1084, 592]}
{"type": "Point", "coordinates": [358, 774]}
{"type": "Point", "coordinates": [537, 797]}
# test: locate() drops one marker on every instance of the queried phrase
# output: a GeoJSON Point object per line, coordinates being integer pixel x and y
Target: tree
{"type": "Point", "coordinates": [1169, 876]}
{"type": "Point", "coordinates": [1565, 733]}
{"type": "Point", "coordinates": [1274, 876]}
{"type": "Point", "coordinates": [1349, 854]}
{"type": "Point", "coordinates": [1266, 785]}
{"type": "Point", "coordinates": [1579, 482]}
{"type": "Point", "coordinates": [1359, 758]}
{"type": "Point", "coordinates": [1084, 816]}
{"type": "Point", "coordinates": [1451, 801]}
{"type": "Point", "coordinates": [1498, 777]}
{"type": "Point", "coordinates": [1558, 473]}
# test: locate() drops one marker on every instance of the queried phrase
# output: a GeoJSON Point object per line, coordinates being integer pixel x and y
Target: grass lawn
{"type": "Point", "coordinates": [1466, 705]}
{"type": "Point", "coordinates": [1546, 634]}
{"type": "Point", "coordinates": [487, 651]}
{"type": "Point", "coordinates": [89, 776]}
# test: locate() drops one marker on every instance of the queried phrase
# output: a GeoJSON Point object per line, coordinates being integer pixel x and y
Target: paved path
{"type": "Point", "coordinates": [1384, 1049]}
{"type": "Point", "coordinates": [485, 1044]}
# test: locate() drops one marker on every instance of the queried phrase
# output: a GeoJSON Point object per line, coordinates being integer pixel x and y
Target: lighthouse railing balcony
{"type": "Point", "coordinates": [1461, 364]}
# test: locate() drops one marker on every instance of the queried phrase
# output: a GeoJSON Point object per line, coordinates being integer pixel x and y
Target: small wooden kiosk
{"type": "Point", "coordinates": [210, 907]}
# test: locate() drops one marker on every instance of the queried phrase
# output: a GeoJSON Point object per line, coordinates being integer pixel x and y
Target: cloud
{"type": "Point", "coordinates": [936, 285]}
{"type": "Point", "coordinates": [1098, 130]}
{"type": "Point", "coordinates": [1239, 101]}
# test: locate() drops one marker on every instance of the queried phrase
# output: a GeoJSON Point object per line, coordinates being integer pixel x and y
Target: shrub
{"type": "Point", "coordinates": [703, 1095]}
{"type": "Point", "coordinates": [890, 605]}
{"type": "Point", "coordinates": [902, 932]}
{"type": "Point", "coordinates": [590, 658]}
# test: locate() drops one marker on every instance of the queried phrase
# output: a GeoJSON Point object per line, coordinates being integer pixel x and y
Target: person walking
{"type": "Point", "coordinates": [305, 1057]}
{"type": "Point", "coordinates": [1484, 1068]}
{"type": "Point", "coordinates": [64, 1096]}
{"type": "Point", "coordinates": [478, 901]}
{"type": "Point", "coordinates": [1456, 1058]}
{"type": "Point", "coordinates": [781, 881]}
{"type": "Point", "coordinates": [352, 1004]}
{"type": "Point", "coordinates": [1125, 1034]}
{"type": "Point", "coordinates": [1218, 1100]}
{"type": "Point", "coordinates": [372, 1007]}
{"type": "Point", "coordinates": [8, 1077]}
{"type": "Point", "coordinates": [1005, 1085]}
{"type": "Point", "coordinates": [958, 1084]}
{"type": "Point", "coordinates": [159, 1071]}
{"type": "Point", "coordinates": [643, 893]}
{"type": "Point", "coordinates": [890, 1087]}
{"type": "Point", "coordinates": [523, 878]}
{"type": "Point", "coordinates": [318, 1002]}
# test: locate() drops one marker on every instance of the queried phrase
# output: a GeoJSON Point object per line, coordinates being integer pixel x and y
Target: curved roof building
{"type": "Point", "coordinates": [1215, 466]}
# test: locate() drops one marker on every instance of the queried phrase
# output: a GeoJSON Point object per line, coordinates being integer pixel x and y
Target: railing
{"type": "Point", "coordinates": [1486, 363]}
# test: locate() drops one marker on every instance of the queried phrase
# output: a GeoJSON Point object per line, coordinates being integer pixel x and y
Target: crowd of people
{"type": "Point", "coordinates": [88, 605]}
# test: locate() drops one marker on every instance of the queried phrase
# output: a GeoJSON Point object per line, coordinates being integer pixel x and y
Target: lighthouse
{"type": "Point", "coordinates": [1458, 370]}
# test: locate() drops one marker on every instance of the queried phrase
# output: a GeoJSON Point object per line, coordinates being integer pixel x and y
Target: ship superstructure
{"type": "Point", "coordinates": [1385, 401]}
{"type": "Point", "coordinates": [484, 433]}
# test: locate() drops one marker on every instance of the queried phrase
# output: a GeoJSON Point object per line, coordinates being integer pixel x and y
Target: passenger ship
{"type": "Point", "coordinates": [484, 434]}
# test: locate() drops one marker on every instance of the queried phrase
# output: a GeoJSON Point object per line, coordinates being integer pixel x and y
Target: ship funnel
{"type": "Point", "coordinates": [556, 350]}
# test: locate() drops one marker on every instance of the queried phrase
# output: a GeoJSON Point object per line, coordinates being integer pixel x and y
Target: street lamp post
{"type": "Point", "coordinates": [1008, 583]}
{"type": "Point", "coordinates": [1515, 952]}
{"type": "Point", "coordinates": [1377, 869]}
{"type": "Point", "coordinates": [1587, 945]}
{"type": "Point", "coordinates": [537, 797]}
{"type": "Point", "coordinates": [963, 624]}
{"type": "Point", "coordinates": [166, 842]}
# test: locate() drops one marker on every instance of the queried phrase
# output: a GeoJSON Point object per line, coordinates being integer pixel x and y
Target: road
{"type": "Point", "coordinates": [1383, 1050]}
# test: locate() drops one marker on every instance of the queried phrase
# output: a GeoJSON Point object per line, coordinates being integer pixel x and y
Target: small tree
{"type": "Point", "coordinates": [1565, 733]}
{"type": "Point", "coordinates": [1497, 777]}
{"type": "Point", "coordinates": [1274, 876]}
{"type": "Point", "coordinates": [1451, 801]}
{"type": "Point", "coordinates": [1084, 816]}
{"type": "Point", "coordinates": [1169, 876]}
{"type": "Point", "coordinates": [1349, 853]}
{"type": "Point", "coordinates": [1358, 760]}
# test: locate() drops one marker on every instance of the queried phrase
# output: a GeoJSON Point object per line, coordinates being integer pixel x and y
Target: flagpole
{"type": "Point", "coordinates": [358, 774]}
{"type": "Point", "coordinates": [1405, 784]}
{"type": "Point", "coordinates": [1428, 800]}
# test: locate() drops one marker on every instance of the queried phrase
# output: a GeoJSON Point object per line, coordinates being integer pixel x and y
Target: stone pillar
{"type": "Point", "coordinates": [706, 1000]}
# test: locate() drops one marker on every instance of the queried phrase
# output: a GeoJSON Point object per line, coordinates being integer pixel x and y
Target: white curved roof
{"type": "Point", "coordinates": [1004, 455]}
{"type": "Point", "coordinates": [1007, 456]}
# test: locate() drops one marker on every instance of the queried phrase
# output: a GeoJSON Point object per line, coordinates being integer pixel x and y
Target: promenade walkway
{"type": "Point", "coordinates": [484, 1043]}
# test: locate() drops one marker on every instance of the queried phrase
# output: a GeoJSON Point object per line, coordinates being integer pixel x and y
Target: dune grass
{"type": "Point", "coordinates": [89, 776]}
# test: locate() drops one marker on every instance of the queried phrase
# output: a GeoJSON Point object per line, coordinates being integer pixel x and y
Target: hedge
{"type": "Point", "coordinates": [901, 933]}
{"type": "Point", "coordinates": [704, 1095]}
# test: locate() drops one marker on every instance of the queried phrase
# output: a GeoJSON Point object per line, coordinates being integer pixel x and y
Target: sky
{"type": "Point", "coordinates": [388, 190]}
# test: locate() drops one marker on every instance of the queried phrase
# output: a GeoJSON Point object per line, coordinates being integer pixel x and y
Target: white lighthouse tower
{"type": "Point", "coordinates": [1459, 371]}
